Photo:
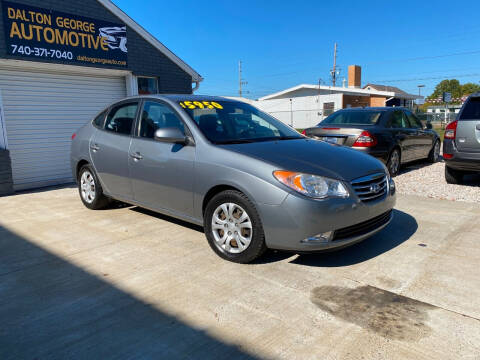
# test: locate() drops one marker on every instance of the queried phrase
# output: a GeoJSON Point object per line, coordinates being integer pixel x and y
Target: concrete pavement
{"type": "Point", "coordinates": [127, 283]}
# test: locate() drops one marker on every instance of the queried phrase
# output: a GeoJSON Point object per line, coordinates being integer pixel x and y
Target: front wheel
{"type": "Point", "coordinates": [434, 154]}
{"type": "Point", "coordinates": [393, 163]}
{"type": "Point", "coordinates": [233, 227]}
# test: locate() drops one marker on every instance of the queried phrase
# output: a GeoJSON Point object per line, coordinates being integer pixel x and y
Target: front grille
{"type": "Point", "coordinates": [362, 228]}
{"type": "Point", "coordinates": [370, 188]}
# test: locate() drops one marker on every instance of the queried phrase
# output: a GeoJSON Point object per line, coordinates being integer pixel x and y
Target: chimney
{"type": "Point", "coordinates": [354, 76]}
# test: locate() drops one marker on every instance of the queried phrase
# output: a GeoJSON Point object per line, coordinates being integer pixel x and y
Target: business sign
{"type": "Point", "coordinates": [447, 97]}
{"type": "Point", "coordinates": [43, 34]}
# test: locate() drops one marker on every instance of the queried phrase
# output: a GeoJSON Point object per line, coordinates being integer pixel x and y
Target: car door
{"type": "Point", "coordinates": [423, 140]}
{"type": "Point", "coordinates": [468, 127]}
{"type": "Point", "coordinates": [109, 149]}
{"type": "Point", "coordinates": [402, 134]}
{"type": "Point", "coordinates": [162, 173]}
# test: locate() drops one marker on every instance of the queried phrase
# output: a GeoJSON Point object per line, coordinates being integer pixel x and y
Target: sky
{"type": "Point", "coordinates": [285, 43]}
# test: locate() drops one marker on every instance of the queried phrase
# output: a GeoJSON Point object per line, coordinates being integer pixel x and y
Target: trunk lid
{"type": "Point", "coordinates": [339, 134]}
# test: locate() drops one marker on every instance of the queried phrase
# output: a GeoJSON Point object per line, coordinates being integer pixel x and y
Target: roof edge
{"type": "Point", "coordinates": [115, 10]}
{"type": "Point", "coordinates": [339, 91]}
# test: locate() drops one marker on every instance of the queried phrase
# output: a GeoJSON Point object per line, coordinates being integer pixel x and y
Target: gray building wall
{"type": "Point", "coordinates": [143, 58]}
{"type": "Point", "coordinates": [6, 182]}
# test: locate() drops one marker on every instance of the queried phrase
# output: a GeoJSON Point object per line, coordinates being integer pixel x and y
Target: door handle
{"type": "Point", "coordinates": [478, 126]}
{"type": "Point", "coordinates": [136, 156]}
{"type": "Point", "coordinates": [94, 147]}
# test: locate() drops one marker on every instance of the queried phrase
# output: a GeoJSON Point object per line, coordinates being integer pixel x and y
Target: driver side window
{"type": "Point", "coordinates": [158, 116]}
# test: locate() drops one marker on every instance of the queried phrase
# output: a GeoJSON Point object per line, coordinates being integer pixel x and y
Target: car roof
{"type": "Point", "coordinates": [378, 108]}
{"type": "Point", "coordinates": [182, 97]}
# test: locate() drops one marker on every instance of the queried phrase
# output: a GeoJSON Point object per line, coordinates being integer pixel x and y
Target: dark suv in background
{"type": "Point", "coordinates": [461, 148]}
{"type": "Point", "coordinates": [393, 135]}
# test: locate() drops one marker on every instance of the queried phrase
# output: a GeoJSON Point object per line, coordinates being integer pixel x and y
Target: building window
{"type": "Point", "coordinates": [147, 85]}
{"type": "Point", "coordinates": [328, 108]}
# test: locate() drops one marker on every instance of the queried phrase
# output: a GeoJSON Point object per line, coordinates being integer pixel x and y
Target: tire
{"type": "Point", "coordinates": [453, 176]}
{"type": "Point", "coordinates": [231, 240]}
{"type": "Point", "coordinates": [434, 153]}
{"type": "Point", "coordinates": [90, 190]}
{"type": "Point", "coordinates": [394, 162]}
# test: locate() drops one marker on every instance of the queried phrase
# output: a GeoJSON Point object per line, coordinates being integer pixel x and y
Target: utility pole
{"type": "Point", "coordinates": [419, 89]}
{"type": "Point", "coordinates": [241, 81]}
{"type": "Point", "coordinates": [419, 95]}
{"type": "Point", "coordinates": [334, 70]}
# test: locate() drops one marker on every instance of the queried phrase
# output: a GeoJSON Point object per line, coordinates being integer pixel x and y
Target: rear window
{"type": "Point", "coordinates": [353, 118]}
{"type": "Point", "coordinates": [471, 110]}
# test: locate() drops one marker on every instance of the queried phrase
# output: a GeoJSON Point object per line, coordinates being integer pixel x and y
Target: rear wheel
{"type": "Point", "coordinates": [233, 227]}
{"type": "Point", "coordinates": [453, 176]}
{"type": "Point", "coordinates": [90, 190]}
{"type": "Point", "coordinates": [434, 154]}
{"type": "Point", "coordinates": [393, 163]}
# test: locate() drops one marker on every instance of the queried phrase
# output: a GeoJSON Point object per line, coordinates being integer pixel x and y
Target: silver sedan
{"type": "Point", "coordinates": [250, 180]}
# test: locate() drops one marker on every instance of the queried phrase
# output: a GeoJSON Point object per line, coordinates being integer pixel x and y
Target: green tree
{"type": "Point", "coordinates": [470, 88]}
{"type": "Point", "coordinates": [452, 86]}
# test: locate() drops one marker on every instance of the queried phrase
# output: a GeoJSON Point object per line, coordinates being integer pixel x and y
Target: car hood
{"type": "Point", "coordinates": [312, 157]}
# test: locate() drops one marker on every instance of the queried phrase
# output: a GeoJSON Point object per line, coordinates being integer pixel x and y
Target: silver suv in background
{"type": "Point", "coordinates": [461, 149]}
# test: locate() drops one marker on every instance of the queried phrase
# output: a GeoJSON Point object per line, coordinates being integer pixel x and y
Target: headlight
{"type": "Point", "coordinates": [314, 186]}
{"type": "Point", "coordinates": [387, 172]}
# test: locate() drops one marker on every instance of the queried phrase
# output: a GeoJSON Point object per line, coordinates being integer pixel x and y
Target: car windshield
{"type": "Point", "coordinates": [233, 122]}
{"type": "Point", "coordinates": [353, 117]}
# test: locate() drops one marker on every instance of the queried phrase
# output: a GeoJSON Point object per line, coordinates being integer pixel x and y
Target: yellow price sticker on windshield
{"type": "Point", "coordinates": [200, 105]}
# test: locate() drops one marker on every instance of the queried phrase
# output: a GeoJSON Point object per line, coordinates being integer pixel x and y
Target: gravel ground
{"type": "Point", "coordinates": [428, 180]}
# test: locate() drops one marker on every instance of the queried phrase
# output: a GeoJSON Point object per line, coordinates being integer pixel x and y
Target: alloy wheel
{"type": "Point", "coordinates": [394, 162]}
{"type": "Point", "coordinates": [232, 228]}
{"type": "Point", "coordinates": [436, 151]}
{"type": "Point", "coordinates": [87, 187]}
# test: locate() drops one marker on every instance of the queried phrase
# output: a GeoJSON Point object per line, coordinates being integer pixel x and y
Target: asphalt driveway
{"type": "Point", "coordinates": [126, 283]}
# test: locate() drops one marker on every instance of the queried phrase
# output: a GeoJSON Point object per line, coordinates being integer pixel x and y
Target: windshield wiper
{"type": "Point", "coordinates": [238, 141]}
{"type": "Point", "coordinates": [247, 141]}
{"type": "Point", "coordinates": [289, 138]}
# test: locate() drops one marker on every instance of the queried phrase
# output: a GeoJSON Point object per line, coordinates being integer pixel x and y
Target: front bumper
{"type": "Point", "coordinates": [288, 225]}
{"type": "Point", "coordinates": [463, 161]}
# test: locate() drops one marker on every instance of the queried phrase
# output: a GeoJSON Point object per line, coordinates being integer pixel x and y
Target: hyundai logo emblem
{"type": "Point", "coordinates": [375, 188]}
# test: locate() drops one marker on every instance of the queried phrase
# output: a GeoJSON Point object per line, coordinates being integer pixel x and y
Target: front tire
{"type": "Point", "coordinates": [90, 190]}
{"type": "Point", "coordinates": [453, 176]}
{"type": "Point", "coordinates": [394, 162]}
{"type": "Point", "coordinates": [434, 154]}
{"type": "Point", "coordinates": [233, 227]}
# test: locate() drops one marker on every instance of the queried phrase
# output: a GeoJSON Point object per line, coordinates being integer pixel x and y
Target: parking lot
{"type": "Point", "coordinates": [128, 283]}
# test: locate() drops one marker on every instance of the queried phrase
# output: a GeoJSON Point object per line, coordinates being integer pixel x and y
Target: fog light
{"type": "Point", "coordinates": [392, 186]}
{"type": "Point", "coordinates": [320, 238]}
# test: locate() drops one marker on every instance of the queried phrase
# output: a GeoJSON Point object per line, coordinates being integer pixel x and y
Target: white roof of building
{"type": "Point", "coordinates": [341, 90]}
{"type": "Point", "coordinates": [150, 38]}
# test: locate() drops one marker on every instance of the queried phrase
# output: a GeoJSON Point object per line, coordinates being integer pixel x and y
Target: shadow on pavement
{"type": "Point", "coordinates": [170, 219]}
{"type": "Point", "coordinates": [51, 308]}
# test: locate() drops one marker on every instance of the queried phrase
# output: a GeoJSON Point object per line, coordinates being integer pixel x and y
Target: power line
{"type": "Point", "coordinates": [427, 78]}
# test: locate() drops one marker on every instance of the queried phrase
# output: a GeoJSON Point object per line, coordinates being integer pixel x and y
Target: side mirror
{"type": "Point", "coordinates": [172, 135]}
{"type": "Point", "coordinates": [429, 126]}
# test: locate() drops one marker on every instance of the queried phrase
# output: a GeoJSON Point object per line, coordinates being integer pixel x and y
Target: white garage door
{"type": "Point", "coordinates": [42, 111]}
